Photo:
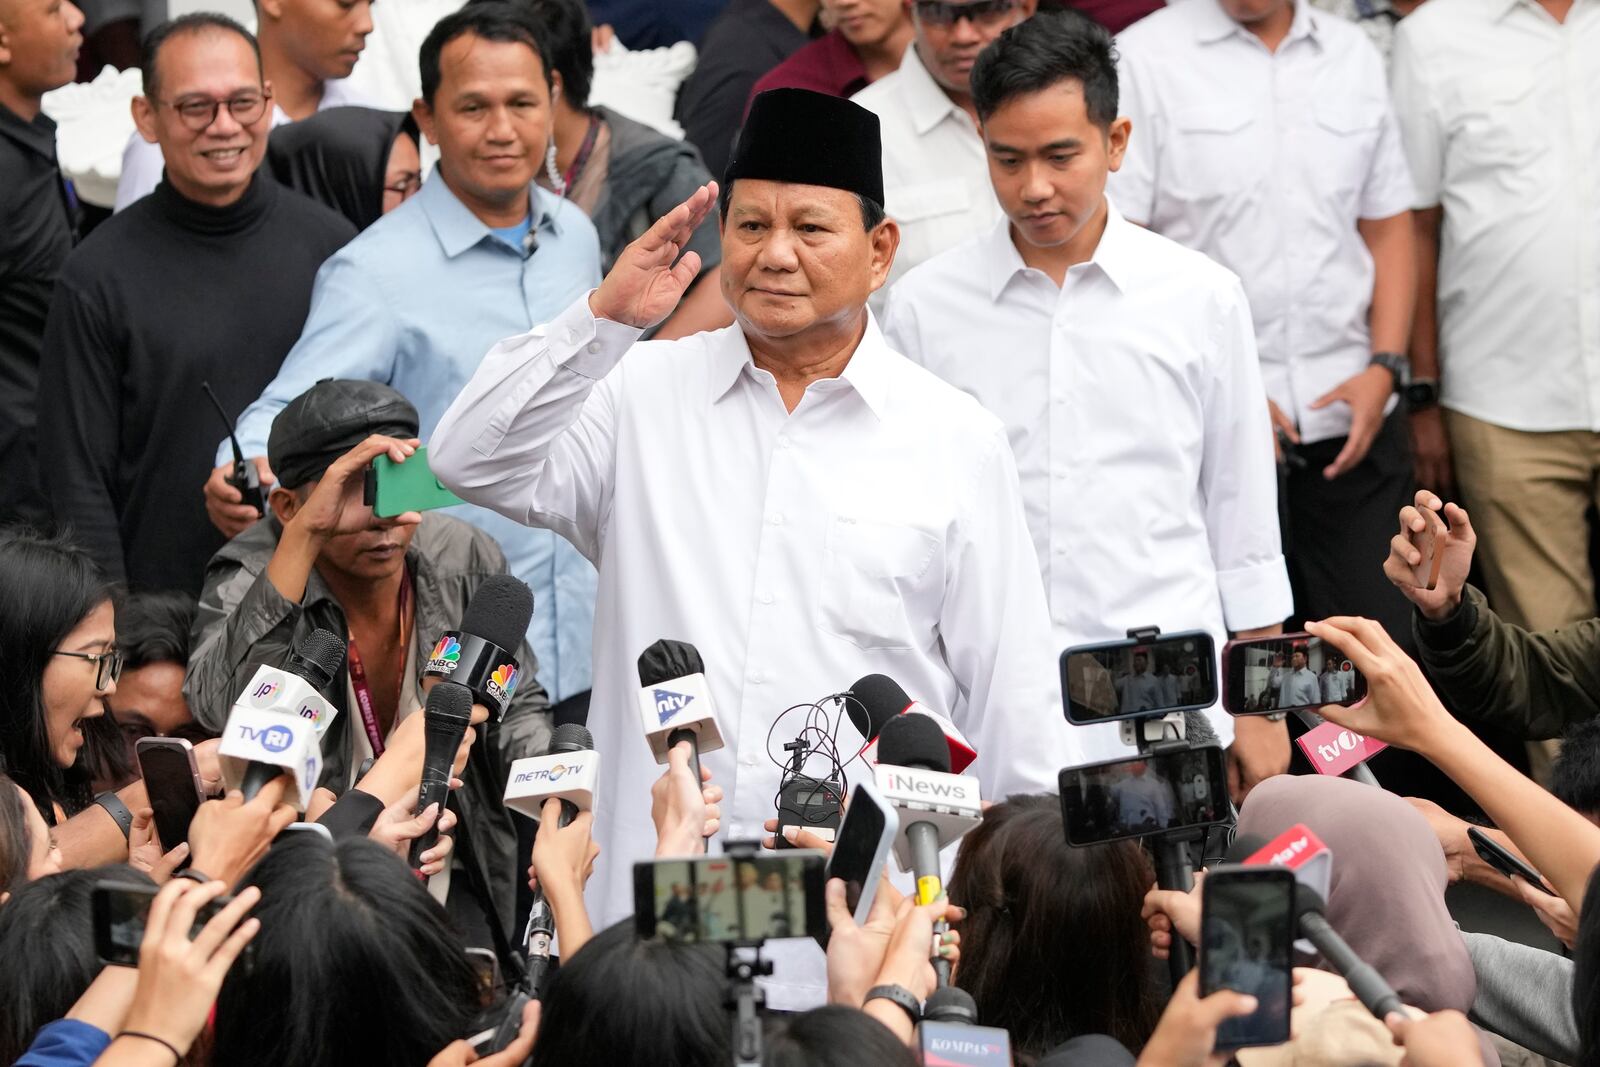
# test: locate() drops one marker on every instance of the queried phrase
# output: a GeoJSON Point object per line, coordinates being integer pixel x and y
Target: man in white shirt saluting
{"type": "Point", "coordinates": [1125, 369]}
{"type": "Point", "coordinates": [789, 494]}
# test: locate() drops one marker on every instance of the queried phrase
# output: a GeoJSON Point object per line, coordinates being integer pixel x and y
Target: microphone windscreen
{"type": "Point", "coordinates": [571, 737]}
{"type": "Point", "coordinates": [1244, 846]}
{"type": "Point", "coordinates": [949, 1004]}
{"type": "Point", "coordinates": [874, 700]}
{"type": "Point", "coordinates": [1198, 729]}
{"type": "Point", "coordinates": [666, 660]}
{"type": "Point", "coordinates": [318, 657]}
{"type": "Point", "coordinates": [499, 612]}
{"type": "Point", "coordinates": [448, 700]}
{"type": "Point", "coordinates": [914, 741]}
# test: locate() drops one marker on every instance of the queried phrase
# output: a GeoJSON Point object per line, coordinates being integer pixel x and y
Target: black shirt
{"type": "Point", "coordinates": [162, 297]}
{"type": "Point", "coordinates": [36, 232]}
{"type": "Point", "coordinates": [746, 41]}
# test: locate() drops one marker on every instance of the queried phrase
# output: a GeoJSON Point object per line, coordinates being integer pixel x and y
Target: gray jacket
{"type": "Point", "coordinates": [1525, 996]}
{"type": "Point", "coordinates": [244, 622]}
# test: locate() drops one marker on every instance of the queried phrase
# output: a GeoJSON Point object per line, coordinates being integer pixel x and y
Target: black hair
{"type": "Point", "coordinates": [835, 1036]}
{"type": "Point", "coordinates": [356, 961]}
{"type": "Point", "coordinates": [51, 585]}
{"type": "Point", "coordinates": [872, 212]}
{"type": "Point", "coordinates": [1036, 910]}
{"type": "Point", "coordinates": [1586, 976]}
{"type": "Point", "coordinates": [565, 27]}
{"type": "Point", "coordinates": [1051, 47]}
{"type": "Point", "coordinates": [153, 627]}
{"type": "Point", "coordinates": [494, 20]}
{"type": "Point", "coordinates": [673, 992]}
{"type": "Point", "coordinates": [47, 943]}
{"type": "Point", "coordinates": [1575, 776]}
{"type": "Point", "coordinates": [198, 22]}
{"type": "Point", "coordinates": [16, 846]}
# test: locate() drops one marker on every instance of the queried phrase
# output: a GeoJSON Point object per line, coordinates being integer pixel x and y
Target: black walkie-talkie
{"type": "Point", "coordinates": [245, 477]}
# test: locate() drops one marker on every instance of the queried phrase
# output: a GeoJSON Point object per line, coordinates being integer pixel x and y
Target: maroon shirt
{"type": "Point", "coordinates": [1114, 15]}
{"type": "Point", "coordinates": [827, 65]}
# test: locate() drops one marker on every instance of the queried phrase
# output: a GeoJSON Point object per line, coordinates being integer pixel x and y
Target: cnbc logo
{"type": "Point", "coordinates": [446, 655]}
{"type": "Point", "coordinates": [503, 682]}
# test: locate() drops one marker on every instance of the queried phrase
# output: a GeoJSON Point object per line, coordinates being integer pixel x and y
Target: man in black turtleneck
{"type": "Point", "coordinates": [206, 279]}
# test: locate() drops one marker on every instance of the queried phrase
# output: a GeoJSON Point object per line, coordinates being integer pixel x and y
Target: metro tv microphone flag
{"type": "Point", "coordinates": [277, 723]}
{"type": "Point", "coordinates": [675, 701]}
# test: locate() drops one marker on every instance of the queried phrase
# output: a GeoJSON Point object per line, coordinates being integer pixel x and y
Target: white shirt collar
{"type": "Point", "coordinates": [1112, 255]}
{"type": "Point", "coordinates": [867, 372]}
{"type": "Point", "coordinates": [1215, 25]}
{"type": "Point", "coordinates": [926, 102]}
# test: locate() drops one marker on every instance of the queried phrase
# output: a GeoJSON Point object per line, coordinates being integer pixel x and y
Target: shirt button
{"type": "Point", "coordinates": [777, 518]}
{"type": "Point", "coordinates": [766, 598]}
{"type": "Point", "coordinates": [572, 336]}
{"type": "Point", "coordinates": [757, 678]}
{"type": "Point", "coordinates": [749, 761]}
{"type": "Point", "coordinates": [783, 440]}
{"type": "Point", "coordinates": [594, 346]}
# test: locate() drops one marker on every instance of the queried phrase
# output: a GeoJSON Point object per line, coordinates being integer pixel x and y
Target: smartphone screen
{"type": "Point", "coordinates": [722, 899]}
{"type": "Point", "coordinates": [858, 854]}
{"type": "Point", "coordinates": [1287, 672]}
{"type": "Point", "coordinates": [1129, 679]}
{"type": "Point", "coordinates": [173, 784]}
{"type": "Point", "coordinates": [1144, 795]}
{"type": "Point", "coordinates": [120, 911]}
{"type": "Point", "coordinates": [1246, 944]}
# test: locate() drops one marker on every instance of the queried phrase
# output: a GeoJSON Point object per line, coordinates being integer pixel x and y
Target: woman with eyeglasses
{"type": "Point", "coordinates": [59, 635]}
{"type": "Point", "coordinates": [360, 162]}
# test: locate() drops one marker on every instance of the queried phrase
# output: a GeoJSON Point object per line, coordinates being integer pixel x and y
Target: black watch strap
{"type": "Point", "coordinates": [1396, 364]}
{"type": "Point", "coordinates": [115, 808]}
{"type": "Point", "coordinates": [900, 995]}
{"type": "Point", "coordinates": [193, 875]}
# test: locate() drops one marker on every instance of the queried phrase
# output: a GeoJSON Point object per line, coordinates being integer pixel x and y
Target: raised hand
{"type": "Point", "coordinates": [1400, 707]}
{"type": "Point", "coordinates": [1405, 554]}
{"type": "Point", "coordinates": [648, 278]}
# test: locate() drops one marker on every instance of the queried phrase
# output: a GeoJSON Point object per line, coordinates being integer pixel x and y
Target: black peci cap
{"type": "Point", "coordinates": [328, 420]}
{"type": "Point", "coordinates": [808, 138]}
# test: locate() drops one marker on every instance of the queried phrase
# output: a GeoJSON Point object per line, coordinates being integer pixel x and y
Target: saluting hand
{"type": "Point", "coordinates": [648, 278]}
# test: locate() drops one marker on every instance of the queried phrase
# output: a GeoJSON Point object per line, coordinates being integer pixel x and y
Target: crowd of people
{"type": "Point", "coordinates": [968, 332]}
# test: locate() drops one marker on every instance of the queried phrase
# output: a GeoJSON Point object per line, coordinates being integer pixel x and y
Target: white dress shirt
{"type": "Point", "coordinates": [1265, 161]}
{"type": "Point", "coordinates": [935, 168]}
{"type": "Point", "coordinates": [877, 527]}
{"type": "Point", "coordinates": [1134, 403]}
{"type": "Point", "coordinates": [1500, 107]}
{"type": "Point", "coordinates": [143, 165]}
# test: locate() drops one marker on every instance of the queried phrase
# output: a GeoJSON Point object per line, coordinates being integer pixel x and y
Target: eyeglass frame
{"type": "Point", "coordinates": [112, 656]}
{"type": "Point", "coordinates": [990, 9]}
{"type": "Point", "coordinates": [216, 107]}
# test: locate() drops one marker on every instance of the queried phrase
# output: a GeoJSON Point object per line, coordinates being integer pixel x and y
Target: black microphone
{"type": "Point", "coordinates": [482, 654]}
{"type": "Point", "coordinates": [315, 660]}
{"type": "Point", "coordinates": [445, 720]}
{"type": "Point", "coordinates": [915, 741]}
{"type": "Point", "coordinates": [1370, 987]}
{"type": "Point", "coordinates": [536, 936]}
{"type": "Point", "coordinates": [876, 699]}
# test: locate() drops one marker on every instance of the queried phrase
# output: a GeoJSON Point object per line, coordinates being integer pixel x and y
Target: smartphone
{"type": "Point", "coordinates": [1134, 679]}
{"type": "Point", "coordinates": [1247, 931]}
{"type": "Point", "coordinates": [730, 900]}
{"type": "Point", "coordinates": [486, 971]}
{"type": "Point", "coordinates": [1287, 672]}
{"type": "Point", "coordinates": [1431, 543]}
{"type": "Point", "coordinates": [1504, 860]}
{"type": "Point", "coordinates": [119, 912]}
{"type": "Point", "coordinates": [1144, 795]}
{"type": "Point", "coordinates": [395, 488]}
{"type": "Point", "coordinates": [172, 780]}
{"type": "Point", "coordinates": [861, 851]}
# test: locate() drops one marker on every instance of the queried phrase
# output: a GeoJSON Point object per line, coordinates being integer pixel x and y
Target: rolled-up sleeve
{"type": "Point", "coordinates": [533, 434]}
{"type": "Point", "coordinates": [1238, 479]}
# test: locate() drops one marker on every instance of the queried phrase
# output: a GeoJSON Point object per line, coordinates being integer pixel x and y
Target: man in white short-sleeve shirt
{"type": "Point", "coordinates": [1263, 137]}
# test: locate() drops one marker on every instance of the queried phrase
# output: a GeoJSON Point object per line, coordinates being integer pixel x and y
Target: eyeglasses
{"type": "Point", "coordinates": [406, 185]}
{"type": "Point", "coordinates": [107, 665]}
{"type": "Point", "coordinates": [199, 112]}
{"type": "Point", "coordinates": [945, 13]}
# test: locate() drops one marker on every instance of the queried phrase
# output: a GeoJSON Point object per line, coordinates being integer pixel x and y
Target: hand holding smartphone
{"type": "Point", "coordinates": [1287, 672]}
{"type": "Point", "coordinates": [1431, 543]}
{"type": "Point", "coordinates": [172, 781]}
{"type": "Point", "coordinates": [1247, 930]}
{"type": "Point", "coordinates": [1504, 860]}
{"type": "Point", "coordinates": [861, 852]}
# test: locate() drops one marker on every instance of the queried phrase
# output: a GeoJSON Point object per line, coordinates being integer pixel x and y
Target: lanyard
{"type": "Point", "coordinates": [582, 158]}
{"type": "Point", "coordinates": [358, 673]}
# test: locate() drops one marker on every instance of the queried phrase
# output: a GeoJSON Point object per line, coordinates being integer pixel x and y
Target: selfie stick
{"type": "Point", "coordinates": [1174, 861]}
{"type": "Point", "coordinates": [743, 997]}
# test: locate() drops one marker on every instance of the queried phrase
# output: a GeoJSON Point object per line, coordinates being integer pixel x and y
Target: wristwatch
{"type": "Point", "coordinates": [115, 808]}
{"type": "Point", "coordinates": [899, 995]}
{"type": "Point", "coordinates": [1396, 364]}
{"type": "Point", "coordinates": [1421, 394]}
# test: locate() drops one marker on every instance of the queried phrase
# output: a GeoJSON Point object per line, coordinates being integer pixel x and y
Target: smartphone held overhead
{"type": "Point", "coordinates": [1287, 672]}
{"type": "Point", "coordinates": [730, 899]}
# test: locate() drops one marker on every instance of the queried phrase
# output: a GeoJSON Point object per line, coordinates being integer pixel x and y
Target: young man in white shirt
{"type": "Point", "coordinates": [1499, 104]}
{"type": "Point", "coordinates": [789, 494]}
{"type": "Point", "coordinates": [935, 179]}
{"type": "Point", "coordinates": [1265, 139]}
{"type": "Point", "coordinates": [1124, 367]}
{"type": "Point", "coordinates": [308, 49]}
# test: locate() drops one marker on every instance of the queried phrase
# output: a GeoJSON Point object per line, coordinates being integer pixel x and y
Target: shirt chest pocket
{"type": "Point", "coordinates": [926, 208]}
{"type": "Point", "coordinates": [1344, 142]}
{"type": "Point", "coordinates": [1497, 122]}
{"type": "Point", "coordinates": [880, 588]}
{"type": "Point", "coordinates": [1211, 152]}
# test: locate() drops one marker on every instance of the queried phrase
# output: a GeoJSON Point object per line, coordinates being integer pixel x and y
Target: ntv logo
{"type": "Point", "coordinates": [669, 703]}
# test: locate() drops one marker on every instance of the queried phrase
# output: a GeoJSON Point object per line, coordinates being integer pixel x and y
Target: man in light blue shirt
{"type": "Point", "coordinates": [479, 254]}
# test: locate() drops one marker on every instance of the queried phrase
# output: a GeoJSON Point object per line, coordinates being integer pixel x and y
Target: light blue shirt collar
{"type": "Point", "coordinates": [458, 229]}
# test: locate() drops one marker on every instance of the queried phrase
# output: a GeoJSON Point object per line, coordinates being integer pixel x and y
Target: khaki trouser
{"type": "Point", "coordinates": [1528, 494]}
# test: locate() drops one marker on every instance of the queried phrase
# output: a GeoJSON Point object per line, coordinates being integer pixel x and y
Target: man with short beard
{"type": "Point", "coordinates": [207, 280]}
